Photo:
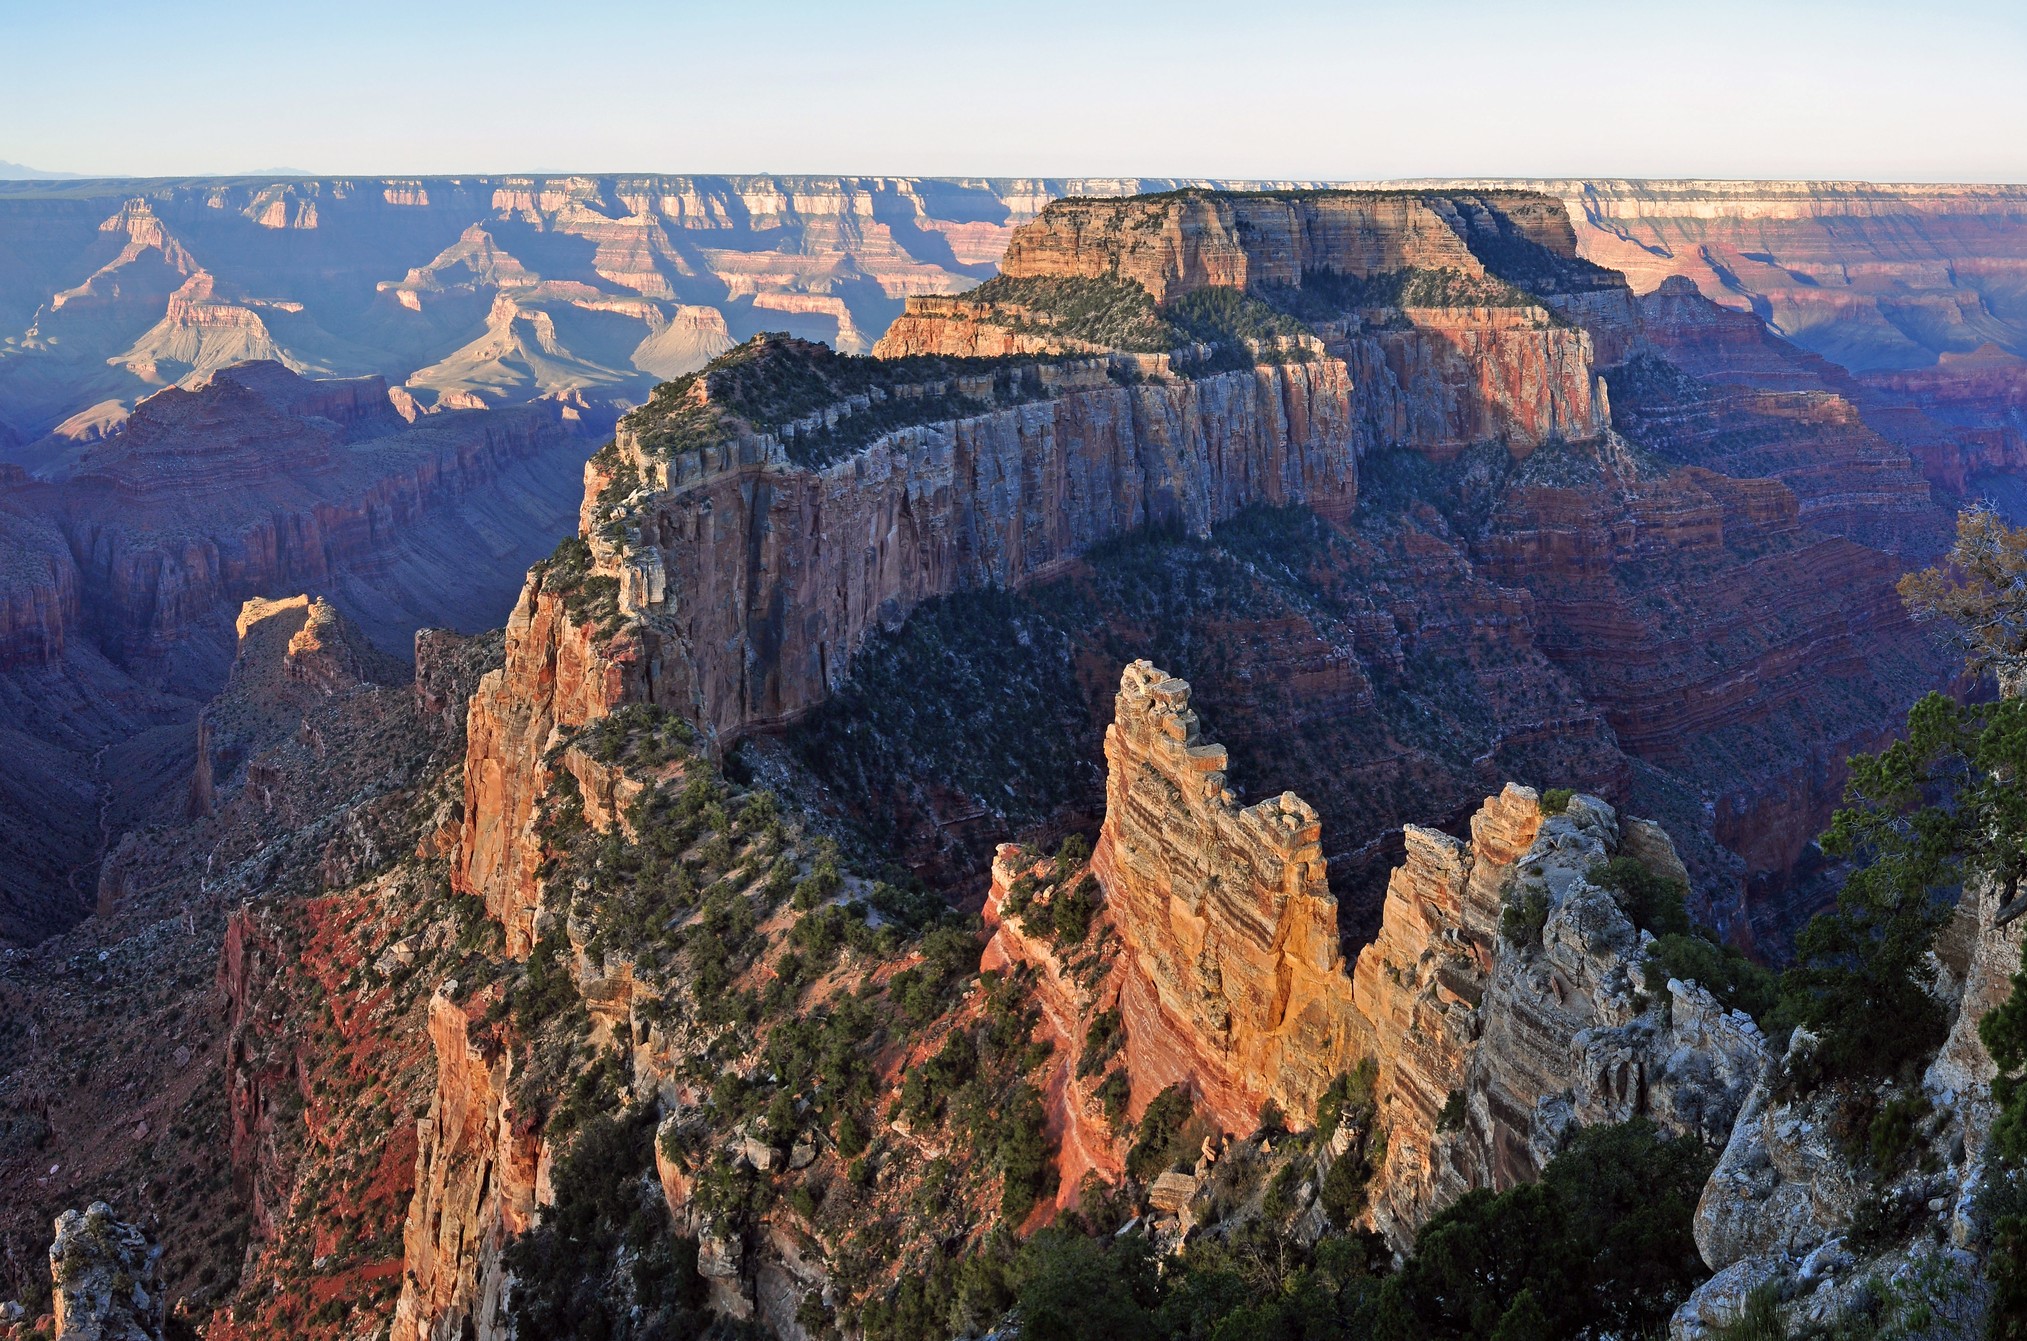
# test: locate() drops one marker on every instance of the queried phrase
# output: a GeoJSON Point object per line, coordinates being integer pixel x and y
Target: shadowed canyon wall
{"type": "Point", "coordinates": [120, 580]}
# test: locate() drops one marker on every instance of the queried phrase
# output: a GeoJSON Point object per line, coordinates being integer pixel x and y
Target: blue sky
{"type": "Point", "coordinates": [1243, 88]}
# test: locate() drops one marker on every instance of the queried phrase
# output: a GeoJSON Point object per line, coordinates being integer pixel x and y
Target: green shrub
{"type": "Point", "coordinates": [1102, 1040]}
{"type": "Point", "coordinates": [1110, 312]}
{"type": "Point", "coordinates": [546, 990]}
{"type": "Point", "coordinates": [603, 1260]}
{"type": "Point", "coordinates": [1343, 1193]}
{"type": "Point", "coordinates": [1076, 1288]}
{"type": "Point", "coordinates": [1113, 1094]}
{"type": "Point", "coordinates": [1861, 979]}
{"type": "Point", "coordinates": [1021, 1152]}
{"type": "Point", "coordinates": [1722, 969]}
{"type": "Point", "coordinates": [1349, 1099]}
{"type": "Point", "coordinates": [1521, 920]}
{"type": "Point", "coordinates": [1654, 902]}
{"type": "Point", "coordinates": [1603, 1244]}
{"type": "Point", "coordinates": [1892, 1134]}
{"type": "Point", "coordinates": [1157, 1140]}
{"type": "Point", "coordinates": [1556, 800]}
{"type": "Point", "coordinates": [1070, 912]}
{"type": "Point", "coordinates": [851, 1136]}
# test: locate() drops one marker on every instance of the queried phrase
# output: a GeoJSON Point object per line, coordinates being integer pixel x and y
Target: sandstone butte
{"type": "Point", "coordinates": [749, 572]}
{"type": "Point", "coordinates": [1231, 983]}
{"type": "Point", "coordinates": [1440, 379]}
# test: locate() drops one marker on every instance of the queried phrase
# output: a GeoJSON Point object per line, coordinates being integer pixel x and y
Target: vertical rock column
{"type": "Point", "coordinates": [1235, 985]}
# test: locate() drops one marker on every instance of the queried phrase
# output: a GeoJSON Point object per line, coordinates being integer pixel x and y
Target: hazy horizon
{"type": "Point", "coordinates": [1449, 89]}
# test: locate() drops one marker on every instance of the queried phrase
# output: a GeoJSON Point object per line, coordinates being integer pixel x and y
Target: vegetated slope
{"type": "Point", "coordinates": [127, 1083]}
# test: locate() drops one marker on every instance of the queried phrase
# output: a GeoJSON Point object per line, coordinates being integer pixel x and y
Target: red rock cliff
{"type": "Point", "coordinates": [1235, 984]}
{"type": "Point", "coordinates": [1437, 374]}
{"type": "Point", "coordinates": [477, 1166]}
{"type": "Point", "coordinates": [1186, 240]}
{"type": "Point", "coordinates": [754, 580]}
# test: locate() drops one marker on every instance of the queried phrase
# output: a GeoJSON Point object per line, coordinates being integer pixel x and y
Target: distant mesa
{"type": "Point", "coordinates": [397, 276]}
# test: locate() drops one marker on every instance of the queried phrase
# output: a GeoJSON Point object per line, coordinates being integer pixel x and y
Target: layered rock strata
{"type": "Point", "coordinates": [1235, 984]}
{"type": "Point", "coordinates": [1181, 241]}
{"type": "Point", "coordinates": [1422, 980]}
{"type": "Point", "coordinates": [477, 1169]}
{"type": "Point", "coordinates": [1520, 1041]}
{"type": "Point", "coordinates": [1871, 274]}
{"type": "Point", "coordinates": [1492, 1044]}
{"type": "Point", "coordinates": [1434, 376]}
{"type": "Point", "coordinates": [105, 295]}
{"type": "Point", "coordinates": [754, 579]}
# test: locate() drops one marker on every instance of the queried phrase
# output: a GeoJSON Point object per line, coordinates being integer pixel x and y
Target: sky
{"type": "Point", "coordinates": [1934, 91]}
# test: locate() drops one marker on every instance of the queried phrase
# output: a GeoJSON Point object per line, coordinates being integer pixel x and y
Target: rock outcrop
{"type": "Point", "coordinates": [1235, 984]}
{"type": "Point", "coordinates": [103, 1271]}
{"type": "Point", "coordinates": [1493, 1039]}
{"type": "Point", "coordinates": [755, 579]}
{"type": "Point", "coordinates": [1470, 360]}
{"type": "Point", "coordinates": [477, 1167]}
{"type": "Point", "coordinates": [1782, 1210]}
{"type": "Point", "coordinates": [1573, 1035]}
{"type": "Point", "coordinates": [1491, 1047]}
{"type": "Point", "coordinates": [1421, 983]}
{"type": "Point", "coordinates": [1181, 241]}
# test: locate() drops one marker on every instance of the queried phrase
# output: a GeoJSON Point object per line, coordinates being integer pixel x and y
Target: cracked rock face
{"type": "Point", "coordinates": [104, 1273]}
{"type": "Point", "coordinates": [1236, 985]}
{"type": "Point", "coordinates": [1525, 1042]}
{"type": "Point", "coordinates": [1779, 1207]}
{"type": "Point", "coordinates": [1490, 1050]}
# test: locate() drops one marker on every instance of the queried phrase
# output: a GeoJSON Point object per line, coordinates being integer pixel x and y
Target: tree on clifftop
{"type": "Point", "coordinates": [1979, 594]}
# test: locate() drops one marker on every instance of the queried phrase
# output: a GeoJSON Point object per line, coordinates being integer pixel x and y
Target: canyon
{"type": "Point", "coordinates": [1475, 548]}
{"type": "Point", "coordinates": [123, 575]}
{"type": "Point", "coordinates": [463, 292]}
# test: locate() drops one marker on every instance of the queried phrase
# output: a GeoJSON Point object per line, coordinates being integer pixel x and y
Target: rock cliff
{"type": "Point", "coordinates": [754, 579]}
{"type": "Point", "coordinates": [1494, 1046]}
{"type": "Point", "coordinates": [104, 1274]}
{"type": "Point", "coordinates": [264, 481]}
{"type": "Point", "coordinates": [1421, 982]}
{"type": "Point", "coordinates": [1491, 1043]}
{"type": "Point", "coordinates": [1235, 984]}
{"type": "Point", "coordinates": [477, 1165]}
{"type": "Point", "coordinates": [1872, 275]}
{"type": "Point", "coordinates": [1409, 289]}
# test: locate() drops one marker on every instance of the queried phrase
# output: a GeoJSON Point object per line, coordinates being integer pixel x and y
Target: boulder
{"type": "Point", "coordinates": [103, 1270]}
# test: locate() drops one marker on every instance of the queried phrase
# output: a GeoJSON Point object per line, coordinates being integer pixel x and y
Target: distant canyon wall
{"type": "Point", "coordinates": [467, 291]}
